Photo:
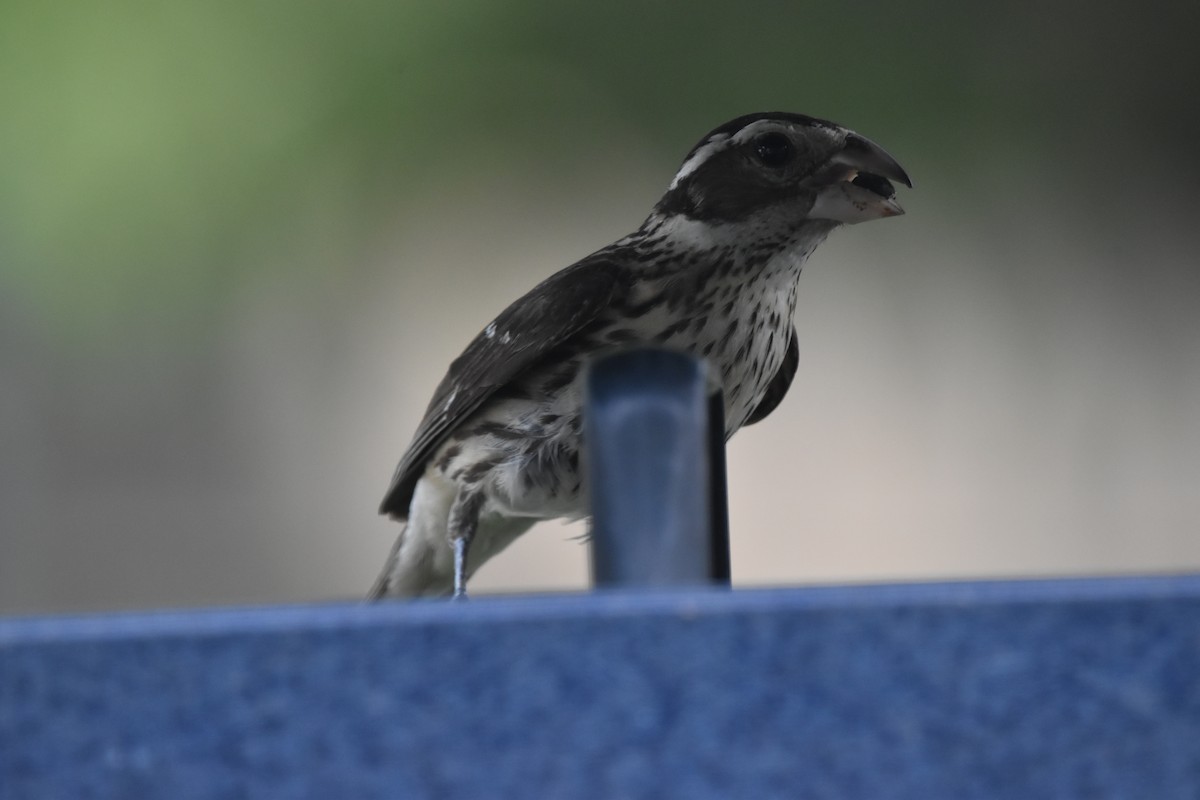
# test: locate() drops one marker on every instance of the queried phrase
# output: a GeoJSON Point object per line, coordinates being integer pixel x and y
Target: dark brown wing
{"type": "Point", "coordinates": [780, 384]}
{"type": "Point", "coordinates": [517, 340]}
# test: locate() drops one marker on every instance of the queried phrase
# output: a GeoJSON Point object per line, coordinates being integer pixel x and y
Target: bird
{"type": "Point", "coordinates": [712, 271]}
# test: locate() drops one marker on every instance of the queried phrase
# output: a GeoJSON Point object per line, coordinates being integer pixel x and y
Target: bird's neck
{"type": "Point", "coordinates": [755, 249]}
{"type": "Point", "coordinates": [682, 268]}
{"type": "Point", "coordinates": [724, 292]}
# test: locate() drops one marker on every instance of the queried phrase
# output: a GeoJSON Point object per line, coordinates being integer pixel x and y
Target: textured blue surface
{"type": "Point", "coordinates": [1011, 690]}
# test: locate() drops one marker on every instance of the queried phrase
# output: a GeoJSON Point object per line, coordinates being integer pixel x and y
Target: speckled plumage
{"type": "Point", "coordinates": [712, 271]}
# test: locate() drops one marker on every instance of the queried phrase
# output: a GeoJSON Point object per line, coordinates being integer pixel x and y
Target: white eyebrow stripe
{"type": "Point", "coordinates": [702, 154]}
{"type": "Point", "coordinates": [723, 141]}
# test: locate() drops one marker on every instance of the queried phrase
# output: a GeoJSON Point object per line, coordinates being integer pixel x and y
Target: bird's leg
{"type": "Point", "coordinates": [463, 522]}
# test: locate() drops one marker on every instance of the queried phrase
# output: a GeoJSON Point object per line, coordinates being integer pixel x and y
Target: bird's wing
{"type": "Point", "coordinates": [780, 384]}
{"type": "Point", "coordinates": [517, 340]}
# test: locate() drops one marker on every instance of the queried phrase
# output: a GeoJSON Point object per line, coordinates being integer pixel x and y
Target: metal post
{"type": "Point", "coordinates": [718, 537]}
{"type": "Point", "coordinates": [655, 464]}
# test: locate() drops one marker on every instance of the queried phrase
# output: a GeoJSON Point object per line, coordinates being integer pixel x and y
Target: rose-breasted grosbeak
{"type": "Point", "coordinates": [712, 271]}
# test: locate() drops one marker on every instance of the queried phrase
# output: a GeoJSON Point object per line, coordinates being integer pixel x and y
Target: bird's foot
{"type": "Point", "coordinates": [460, 567]}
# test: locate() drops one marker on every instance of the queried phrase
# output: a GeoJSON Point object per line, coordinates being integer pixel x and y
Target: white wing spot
{"type": "Point", "coordinates": [489, 331]}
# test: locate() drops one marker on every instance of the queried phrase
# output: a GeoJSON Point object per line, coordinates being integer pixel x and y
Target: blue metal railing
{"type": "Point", "coordinates": [1038, 689]}
{"type": "Point", "coordinates": [656, 472]}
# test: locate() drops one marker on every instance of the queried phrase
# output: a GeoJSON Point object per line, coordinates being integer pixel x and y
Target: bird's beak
{"type": "Point", "coordinates": [859, 184]}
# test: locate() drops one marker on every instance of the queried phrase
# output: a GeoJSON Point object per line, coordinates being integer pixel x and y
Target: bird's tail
{"type": "Point", "coordinates": [414, 567]}
{"type": "Point", "coordinates": [379, 589]}
{"type": "Point", "coordinates": [421, 562]}
{"type": "Point", "coordinates": [422, 566]}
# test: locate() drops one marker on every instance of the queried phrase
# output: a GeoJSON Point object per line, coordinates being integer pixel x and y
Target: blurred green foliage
{"type": "Point", "coordinates": [240, 239]}
{"type": "Point", "coordinates": [154, 155]}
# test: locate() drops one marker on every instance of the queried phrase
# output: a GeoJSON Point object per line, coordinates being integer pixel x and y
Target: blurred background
{"type": "Point", "coordinates": [240, 242]}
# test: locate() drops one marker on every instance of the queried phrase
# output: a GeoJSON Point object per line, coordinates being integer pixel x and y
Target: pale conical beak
{"type": "Point", "coordinates": [860, 189]}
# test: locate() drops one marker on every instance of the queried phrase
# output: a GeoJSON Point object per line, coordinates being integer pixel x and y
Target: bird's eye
{"type": "Point", "coordinates": [774, 149]}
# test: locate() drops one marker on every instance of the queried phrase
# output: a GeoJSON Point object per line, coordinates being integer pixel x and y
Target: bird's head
{"type": "Point", "coordinates": [784, 168]}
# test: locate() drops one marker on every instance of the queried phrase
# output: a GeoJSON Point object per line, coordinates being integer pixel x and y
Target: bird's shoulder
{"type": "Point", "coordinates": [517, 340]}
